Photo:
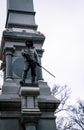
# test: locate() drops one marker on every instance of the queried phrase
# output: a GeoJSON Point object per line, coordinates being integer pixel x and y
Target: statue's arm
{"type": "Point", "coordinates": [24, 53]}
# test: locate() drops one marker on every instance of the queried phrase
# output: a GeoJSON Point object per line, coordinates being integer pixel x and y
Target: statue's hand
{"type": "Point", "coordinates": [37, 63]}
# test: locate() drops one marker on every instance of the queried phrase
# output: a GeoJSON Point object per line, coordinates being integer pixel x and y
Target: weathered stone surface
{"type": "Point", "coordinates": [28, 106]}
{"type": "Point", "coordinates": [10, 87]}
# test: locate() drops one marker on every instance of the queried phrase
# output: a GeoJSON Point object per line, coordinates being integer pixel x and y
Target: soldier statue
{"type": "Point", "coordinates": [30, 61]}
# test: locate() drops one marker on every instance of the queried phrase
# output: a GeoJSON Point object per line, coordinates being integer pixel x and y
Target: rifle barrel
{"type": "Point", "coordinates": [47, 71]}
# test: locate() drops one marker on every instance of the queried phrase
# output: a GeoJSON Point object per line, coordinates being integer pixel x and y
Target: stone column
{"type": "Point", "coordinates": [39, 70]}
{"type": "Point", "coordinates": [9, 54]}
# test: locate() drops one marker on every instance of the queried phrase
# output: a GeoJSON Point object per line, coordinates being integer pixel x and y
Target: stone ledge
{"type": "Point", "coordinates": [10, 102]}
{"type": "Point", "coordinates": [48, 103]}
{"type": "Point", "coordinates": [30, 115]}
{"type": "Point", "coordinates": [29, 91]}
{"type": "Point", "coordinates": [29, 111]}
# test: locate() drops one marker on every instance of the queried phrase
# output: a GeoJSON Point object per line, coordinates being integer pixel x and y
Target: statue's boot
{"type": "Point", "coordinates": [33, 79]}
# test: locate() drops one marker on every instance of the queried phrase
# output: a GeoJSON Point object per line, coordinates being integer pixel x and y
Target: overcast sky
{"type": "Point", "coordinates": [62, 22]}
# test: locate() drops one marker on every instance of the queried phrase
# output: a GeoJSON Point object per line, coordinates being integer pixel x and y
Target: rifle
{"type": "Point", "coordinates": [45, 69]}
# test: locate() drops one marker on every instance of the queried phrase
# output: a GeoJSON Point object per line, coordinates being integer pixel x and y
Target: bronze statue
{"type": "Point", "coordinates": [31, 60]}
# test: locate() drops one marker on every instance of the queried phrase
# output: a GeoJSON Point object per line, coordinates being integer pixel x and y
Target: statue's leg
{"type": "Point", "coordinates": [24, 75]}
{"type": "Point", "coordinates": [33, 72]}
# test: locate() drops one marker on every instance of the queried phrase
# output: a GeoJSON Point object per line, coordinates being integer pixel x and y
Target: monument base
{"type": "Point", "coordinates": [34, 108]}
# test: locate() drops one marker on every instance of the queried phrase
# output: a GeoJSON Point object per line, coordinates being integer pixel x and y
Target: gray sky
{"type": "Point", "coordinates": [62, 22]}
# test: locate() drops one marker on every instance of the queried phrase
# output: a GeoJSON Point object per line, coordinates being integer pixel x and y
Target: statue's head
{"type": "Point", "coordinates": [29, 43]}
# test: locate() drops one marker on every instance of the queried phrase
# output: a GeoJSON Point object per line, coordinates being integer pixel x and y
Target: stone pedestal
{"type": "Point", "coordinates": [30, 113]}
